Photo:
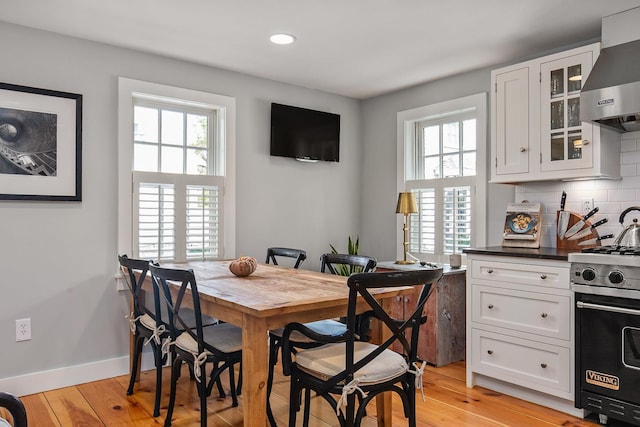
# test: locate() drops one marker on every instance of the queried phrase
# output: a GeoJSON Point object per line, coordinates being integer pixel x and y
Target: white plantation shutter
{"type": "Point", "coordinates": [203, 217]}
{"type": "Point", "coordinates": [156, 221]}
{"type": "Point", "coordinates": [457, 219]}
{"type": "Point", "coordinates": [423, 224]}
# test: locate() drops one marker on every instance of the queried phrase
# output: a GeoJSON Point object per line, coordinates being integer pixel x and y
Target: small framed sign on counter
{"type": "Point", "coordinates": [522, 225]}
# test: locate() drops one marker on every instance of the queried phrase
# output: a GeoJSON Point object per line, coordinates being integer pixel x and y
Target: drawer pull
{"type": "Point", "coordinates": [490, 306]}
{"type": "Point", "coordinates": [522, 149]}
{"type": "Point", "coordinates": [543, 365]}
{"type": "Point", "coordinates": [544, 315]}
{"type": "Point", "coordinates": [490, 271]}
{"type": "Point", "coordinates": [490, 351]}
{"type": "Point", "coordinates": [543, 276]}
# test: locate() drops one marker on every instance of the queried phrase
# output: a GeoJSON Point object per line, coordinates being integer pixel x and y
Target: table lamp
{"type": "Point", "coordinates": [406, 205]}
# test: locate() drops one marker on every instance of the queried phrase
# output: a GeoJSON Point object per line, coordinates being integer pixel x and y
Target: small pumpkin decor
{"type": "Point", "coordinates": [243, 266]}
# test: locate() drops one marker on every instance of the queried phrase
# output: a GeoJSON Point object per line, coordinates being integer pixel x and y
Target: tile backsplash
{"type": "Point", "coordinates": [611, 197]}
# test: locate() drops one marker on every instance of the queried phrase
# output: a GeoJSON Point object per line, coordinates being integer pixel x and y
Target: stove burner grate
{"type": "Point", "coordinates": [615, 250]}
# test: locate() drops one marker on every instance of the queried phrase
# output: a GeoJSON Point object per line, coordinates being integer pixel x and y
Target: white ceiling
{"type": "Point", "coordinates": [357, 48]}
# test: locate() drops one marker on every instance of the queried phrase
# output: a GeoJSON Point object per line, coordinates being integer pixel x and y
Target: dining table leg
{"type": "Point", "coordinates": [254, 370]}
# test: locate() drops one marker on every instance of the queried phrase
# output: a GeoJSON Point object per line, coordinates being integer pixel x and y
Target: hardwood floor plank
{"type": "Point", "coordinates": [71, 408]}
{"type": "Point", "coordinates": [39, 412]}
{"type": "Point", "coordinates": [112, 405]}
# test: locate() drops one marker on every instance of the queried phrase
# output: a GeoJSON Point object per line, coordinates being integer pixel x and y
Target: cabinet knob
{"type": "Point", "coordinates": [585, 142]}
{"type": "Point", "coordinates": [490, 351]}
{"type": "Point", "coordinates": [523, 149]}
{"type": "Point", "coordinates": [406, 300]}
{"type": "Point", "coordinates": [543, 365]}
{"type": "Point", "coordinates": [490, 271]}
{"type": "Point", "coordinates": [490, 306]}
{"type": "Point", "coordinates": [544, 315]}
{"type": "Point", "coordinates": [543, 276]}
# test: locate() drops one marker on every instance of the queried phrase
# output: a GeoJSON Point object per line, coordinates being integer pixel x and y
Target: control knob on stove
{"type": "Point", "coordinates": [616, 277]}
{"type": "Point", "coordinates": [588, 274]}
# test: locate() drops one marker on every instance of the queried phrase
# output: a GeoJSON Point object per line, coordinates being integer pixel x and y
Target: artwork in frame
{"type": "Point", "coordinates": [40, 144]}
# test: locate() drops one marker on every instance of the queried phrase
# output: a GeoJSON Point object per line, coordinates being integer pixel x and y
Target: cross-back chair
{"type": "Point", "coordinates": [344, 368]}
{"type": "Point", "coordinates": [348, 263]}
{"type": "Point", "coordinates": [145, 322]}
{"type": "Point", "coordinates": [12, 405]}
{"type": "Point", "coordinates": [218, 346]}
{"type": "Point", "coordinates": [276, 252]}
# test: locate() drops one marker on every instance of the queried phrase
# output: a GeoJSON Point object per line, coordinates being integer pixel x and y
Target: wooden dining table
{"type": "Point", "coordinates": [270, 298]}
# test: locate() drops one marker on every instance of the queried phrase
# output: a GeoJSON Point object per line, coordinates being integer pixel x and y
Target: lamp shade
{"type": "Point", "coordinates": [406, 203]}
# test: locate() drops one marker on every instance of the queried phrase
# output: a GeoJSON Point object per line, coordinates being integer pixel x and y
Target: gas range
{"type": "Point", "coordinates": [606, 270]}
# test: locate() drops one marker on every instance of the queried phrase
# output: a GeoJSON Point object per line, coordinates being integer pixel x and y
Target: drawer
{"type": "Point", "coordinates": [532, 312]}
{"type": "Point", "coordinates": [508, 274]}
{"type": "Point", "coordinates": [534, 365]}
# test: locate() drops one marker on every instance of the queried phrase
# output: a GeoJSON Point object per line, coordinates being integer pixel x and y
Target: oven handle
{"type": "Point", "coordinates": [621, 310]}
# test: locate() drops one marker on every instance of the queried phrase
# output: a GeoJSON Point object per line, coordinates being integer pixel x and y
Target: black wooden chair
{"type": "Point", "coordinates": [145, 322]}
{"type": "Point", "coordinates": [298, 254]}
{"type": "Point", "coordinates": [219, 345]}
{"type": "Point", "coordinates": [14, 406]}
{"type": "Point", "coordinates": [344, 367]}
{"type": "Point", "coordinates": [324, 327]}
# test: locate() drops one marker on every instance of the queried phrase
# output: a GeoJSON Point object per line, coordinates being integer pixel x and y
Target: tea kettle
{"type": "Point", "coordinates": [630, 236]}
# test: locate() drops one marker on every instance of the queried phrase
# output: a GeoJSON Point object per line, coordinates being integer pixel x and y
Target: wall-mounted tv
{"type": "Point", "coordinates": [304, 134]}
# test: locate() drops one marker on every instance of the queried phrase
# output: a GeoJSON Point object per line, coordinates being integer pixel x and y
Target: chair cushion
{"type": "Point", "coordinates": [225, 337]}
{"type": "Point", "coordinates": [329, 360]}
{"type": "Point", "coordinates": [4, 423]}
{"type": "Point", "coordinates": [325, 327]}
{"type": "Point", "coordinates": [147, 321]}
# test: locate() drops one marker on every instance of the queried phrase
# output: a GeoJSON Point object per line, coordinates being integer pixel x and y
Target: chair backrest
{"type": "Point", "coordinates": [361, 284]}
{"type": "Point", "coordinates": [179, 324]}
{"type": "Point", "coordinates": [346, 264]}
{"type": "Point", "coordinates": [129, 268]}
{"type": "Point", "coordinates": [298, 254]}
{"type": "Point", "coordinates": [15, 407]}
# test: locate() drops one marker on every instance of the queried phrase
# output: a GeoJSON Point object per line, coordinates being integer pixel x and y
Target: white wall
{"type": "Point", "coordinates": [611, 197]}
{"type": "Point", "coordinates": [59, 259]}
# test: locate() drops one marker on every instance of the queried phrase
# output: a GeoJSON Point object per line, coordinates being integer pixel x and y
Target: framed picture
{"type": "Point", "coordinates": [40, 144]}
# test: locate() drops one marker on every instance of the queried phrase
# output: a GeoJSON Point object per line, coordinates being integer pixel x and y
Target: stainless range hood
{"type": "Point", "coordinates": [611, 94]}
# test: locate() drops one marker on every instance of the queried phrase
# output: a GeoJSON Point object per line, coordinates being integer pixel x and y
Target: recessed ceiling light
{"type": "Point", "coordinates": [282, 38]}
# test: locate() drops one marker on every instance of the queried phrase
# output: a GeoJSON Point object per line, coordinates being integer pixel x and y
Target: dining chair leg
{"type": "Point", "coordinates": [234, 395]}
{"type": "Point", "coordinates": [274, 347]}
{"type": "Point", "coordinates": [294, 403]}
{"type": "Point", "coordinates": [136, 361]}
{"type": "Point", "coordinates": [157, 352]}
{"type": "Point", "coordinates": [175, 374]}
{"type": "Point", "coordinates": [307, 406]}
{"type": "Point", "coordinates": [219, 382]}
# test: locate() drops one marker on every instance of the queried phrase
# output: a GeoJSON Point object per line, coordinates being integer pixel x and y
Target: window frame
{"type": "Point", "coordinates": [128, 90]}
{"type": "Point", "coordinates": [407, 154]}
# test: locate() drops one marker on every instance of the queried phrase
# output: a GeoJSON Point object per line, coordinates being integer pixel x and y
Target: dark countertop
{"type": "Point", "coordinates": [446, 268]}
{"type": "Point", "coordinates": [541, 253]}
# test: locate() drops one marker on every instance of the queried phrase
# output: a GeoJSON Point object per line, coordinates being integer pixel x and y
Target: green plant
{"type": "Point", "coordinates": [352, 249]}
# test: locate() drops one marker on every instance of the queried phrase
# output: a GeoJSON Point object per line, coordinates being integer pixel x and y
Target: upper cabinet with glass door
{"type": "Point", "coordinates": [565, 142]}
{"type": "Point", "coordinates": [536, 132]}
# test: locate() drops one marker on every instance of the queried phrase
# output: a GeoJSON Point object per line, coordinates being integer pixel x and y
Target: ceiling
{"type": "Point", "coordinates": [356, 48]}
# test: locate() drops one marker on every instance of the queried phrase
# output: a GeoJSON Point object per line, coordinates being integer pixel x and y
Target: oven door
{"type": "Point", "coordinates": [608, 346]}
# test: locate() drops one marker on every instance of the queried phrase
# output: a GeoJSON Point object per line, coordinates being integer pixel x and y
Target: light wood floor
{"type": "Point", "coordinates": [448, 403]}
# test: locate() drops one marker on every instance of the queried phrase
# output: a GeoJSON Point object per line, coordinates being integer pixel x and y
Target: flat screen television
{"type": "Point", "coordinates": [306, 135]}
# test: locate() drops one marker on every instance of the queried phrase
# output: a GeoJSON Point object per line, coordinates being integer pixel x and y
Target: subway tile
{"type": "Point", "coordinates": [628, 170]}
{"type": "Point", "coordinates": [628, 145]}
{"type": "Point", "coordinates": [621, 195]}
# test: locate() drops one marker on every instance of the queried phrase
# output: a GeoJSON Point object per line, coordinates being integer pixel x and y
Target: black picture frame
{"type": "Point", "coordinates": [40, 144]}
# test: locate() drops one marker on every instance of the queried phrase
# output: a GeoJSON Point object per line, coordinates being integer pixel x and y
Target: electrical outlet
{"type": "Point", "coordinates": [587, 205]}
{"type": "Point", "coordinates": [23, 330]}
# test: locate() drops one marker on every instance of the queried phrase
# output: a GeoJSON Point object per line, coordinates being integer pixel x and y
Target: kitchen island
{"type": "Point", "coordinates": [520, 324]}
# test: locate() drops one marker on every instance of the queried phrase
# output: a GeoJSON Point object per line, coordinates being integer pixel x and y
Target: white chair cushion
{"type": "Point", "coordinates": [4, 423]}
{"type": "Point", "coordinates": [329, 360]}
{"type": "Point", "coordinates": [147, 321]}
{"type": "Point", "coordinates": [324, 327]}
{"type": "Point", "coordinates": [225, 337]}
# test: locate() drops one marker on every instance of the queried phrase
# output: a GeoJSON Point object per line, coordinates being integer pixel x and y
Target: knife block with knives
{"type": "Point", "coordinates": [587, 229]}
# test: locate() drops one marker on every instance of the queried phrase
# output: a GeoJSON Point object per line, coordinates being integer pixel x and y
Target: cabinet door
{"type": "Point", "coordinates": [565, 141]}
{"type": "Point", "coordinates": [512, 122]}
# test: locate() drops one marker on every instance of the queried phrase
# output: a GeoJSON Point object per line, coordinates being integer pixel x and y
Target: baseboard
{"type": "Point", "coordinates": [38, 382]}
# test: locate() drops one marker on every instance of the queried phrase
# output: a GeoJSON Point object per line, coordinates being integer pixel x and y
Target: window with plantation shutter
{"type": "Point", "coordinates": [441, 146]}
{"type": "Point", "coordinates": [179, 150]}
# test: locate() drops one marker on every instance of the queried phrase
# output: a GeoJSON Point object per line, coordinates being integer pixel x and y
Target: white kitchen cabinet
{"type": "Point", "coordinates": [536, 132]}
{"type": "Point", "coordinates": [520, 328]}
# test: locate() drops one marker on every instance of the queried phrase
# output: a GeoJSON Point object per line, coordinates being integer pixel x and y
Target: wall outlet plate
{"type": "Point", "coordinates": [23, 330]}
{"type": "Point", "coordinates": [587, 205]}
